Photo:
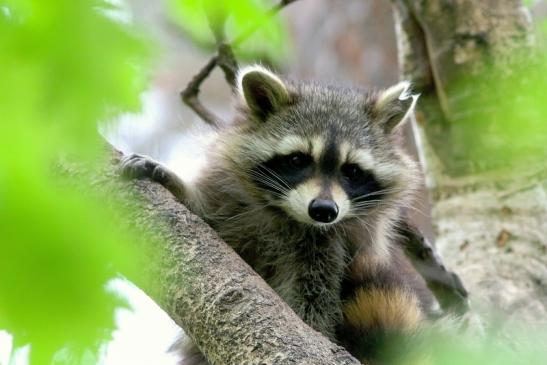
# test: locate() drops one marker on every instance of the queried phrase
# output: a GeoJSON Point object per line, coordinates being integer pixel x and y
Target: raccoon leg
{"type": "Point", "coordinates": [138, 166]}
{"type": "Point", "coordinates": [385, 304]}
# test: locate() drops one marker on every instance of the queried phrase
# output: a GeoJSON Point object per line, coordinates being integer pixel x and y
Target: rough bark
{"type": "Point", "coordinates": [206, 288]}
{"type": "Point", "coordinates": [490, 222]}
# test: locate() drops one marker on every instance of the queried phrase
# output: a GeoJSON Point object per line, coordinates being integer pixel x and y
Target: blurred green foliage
{"type": "Point", "coordinates": [500, 119]}
{"type": "Point", "coordinates": [448, 346]}
{"type": "Point", "coordinates": [269, 41]}
{"type": "Point", "coordinates": [64, 66]}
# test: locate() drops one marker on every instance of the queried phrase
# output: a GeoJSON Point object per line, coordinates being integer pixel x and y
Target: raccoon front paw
{"type": "Point", "coordinates": [135, 166]}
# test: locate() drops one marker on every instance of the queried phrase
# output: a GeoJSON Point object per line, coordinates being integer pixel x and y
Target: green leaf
{"type": "Point", "coordinates": [64, 67]}
{"type": "Point", "coordinates": [456, 347]}
{"type": "Point", "coordinates": [198, 17]}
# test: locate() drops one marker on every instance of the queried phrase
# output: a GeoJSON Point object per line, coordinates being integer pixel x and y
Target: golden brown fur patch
{"type": "Point", "coordinates": [367, 264]}
{"type": "Point", "coordinates": [388, 308]}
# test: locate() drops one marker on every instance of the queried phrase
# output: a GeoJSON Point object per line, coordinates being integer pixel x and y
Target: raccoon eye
{"type": "Point", "coordinates": [298, 160]}
{"type": "Point", "coordinates": [352, 172]}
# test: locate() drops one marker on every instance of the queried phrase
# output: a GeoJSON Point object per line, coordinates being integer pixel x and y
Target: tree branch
{"type": "Point", "coordinates": [190, 94]}
{"type": "Point", "coordinates": [206, 288]}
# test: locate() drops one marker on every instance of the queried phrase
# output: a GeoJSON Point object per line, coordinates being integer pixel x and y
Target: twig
{"type": "Point", "coordinates": [190, 94]}
{"type": "Point", "coordinates": [227, 62]}
{"type": "Point", "coordinates": [225, 59]}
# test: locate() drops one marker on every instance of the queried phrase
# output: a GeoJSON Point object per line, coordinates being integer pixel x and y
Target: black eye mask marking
{"type": "Point", "coordinates": [361, 186]}
{"type": "Point", "coordinates": [283, 172]}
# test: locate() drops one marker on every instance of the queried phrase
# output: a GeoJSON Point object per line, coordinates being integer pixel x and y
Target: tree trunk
{"type": "Point", "coordinates": [205, 287]}
{"type": "Point", "coordinates": [491, 221]}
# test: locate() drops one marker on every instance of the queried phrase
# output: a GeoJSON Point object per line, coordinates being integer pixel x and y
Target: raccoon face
{"type": "Point", "coordinates": [319, 183]}
{"type": "Point", "coordinates": [317, 154]}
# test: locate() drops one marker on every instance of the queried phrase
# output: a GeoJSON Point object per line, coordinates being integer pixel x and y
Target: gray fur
{"type": "Point", "coordinates": [304, 264]}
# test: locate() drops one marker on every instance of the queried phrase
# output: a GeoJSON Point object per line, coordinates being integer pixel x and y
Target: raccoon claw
{"type": "Point", "coordinates": [135, 166]}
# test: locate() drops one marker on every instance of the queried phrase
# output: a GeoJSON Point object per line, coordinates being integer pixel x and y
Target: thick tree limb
{"type": "Point", "coordinates": [206, 288]}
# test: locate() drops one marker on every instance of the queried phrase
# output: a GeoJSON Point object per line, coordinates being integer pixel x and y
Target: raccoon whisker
{"type": "Point", "coordinates": [407, 206]}
{"type": "Point", "coordinates": [417, 207]}
{"type": "Point", "coordinates": [411, 207]}
{"type": "Point", "coordinates": [280, 195]}
{"type": "Point", "coordinates": [365, 224]}
{"type": "Point", "coordinates": [276, 175]}
{"type": "Point", "coordinates": [401, 204]}
{"type": "Point", "coordinates": [277, 192]}
{"type": "Point", "coordinates": [266, 180]}
{"type": "Point", "coordinates": [376, 203]}
{"type": "Point", "coordinates": [397, 204]}
{"type": "Point", "coordinates": [368, 204]}
{"type": "Point", "coordinates": [258, 208]}
{"type": "Point", "coordinates": [372, 194]}
{"type": "Point", "coordinates": [419, 211]}
{"type": "Point", "coordinates": [277, 182]}
{"type": "Point", "coordinates": [271, 184]}
{"type": "Point", "coordinates": [268, 174]}
{"type": "Point", "coordinates": [382, 191]}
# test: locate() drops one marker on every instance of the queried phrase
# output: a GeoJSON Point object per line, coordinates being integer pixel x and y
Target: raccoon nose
{"type": "Point", "coordinates": [323, 210]}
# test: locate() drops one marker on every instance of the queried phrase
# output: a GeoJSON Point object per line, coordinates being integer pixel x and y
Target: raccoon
{"type": "Point", "coordinates": [308, 185]}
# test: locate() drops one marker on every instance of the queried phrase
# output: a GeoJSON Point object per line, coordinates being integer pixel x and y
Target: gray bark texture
{"type": "Point", "coordinates": [206, 288]}
{"type": "Point", "coordinates": [491, 222]}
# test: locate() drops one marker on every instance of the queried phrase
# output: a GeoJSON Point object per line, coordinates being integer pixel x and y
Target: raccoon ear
{"type": "Point", "coordinates": [394, 105]}
{"type": "Point", "coordinates": [263, 92]}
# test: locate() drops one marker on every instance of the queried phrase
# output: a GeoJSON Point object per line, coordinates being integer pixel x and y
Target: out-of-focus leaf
{"type": "Point", "coordinates": [64, 66]}
{"type": "Point", "coordinates": [198, 17]}
{"type": "Point", "coordinates": [501, 120]}
{"type": "Point", "coordinates": [451, 347]}
{"type": "Point", "coordinates": [543, 27]}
